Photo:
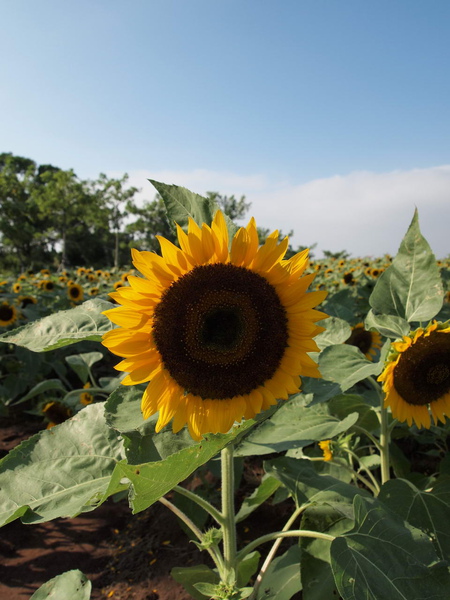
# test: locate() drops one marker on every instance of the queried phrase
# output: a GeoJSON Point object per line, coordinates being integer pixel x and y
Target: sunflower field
{"type": "Point", "coordinates": [218, 349]}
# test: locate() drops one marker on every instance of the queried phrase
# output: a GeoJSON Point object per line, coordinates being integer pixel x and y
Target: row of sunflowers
{"type": "Point", "coordinates": [336, 371]}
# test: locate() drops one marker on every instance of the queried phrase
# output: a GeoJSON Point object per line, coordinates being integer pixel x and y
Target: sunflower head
{"type": "Point", "coordinates": [8, 314]}
{"type": "Point", "coordinates": [75, 292]}
{"type": "Point", "coordinates": [369, 342]}
{"type": "Point", "coordinates": [218, 332]}
{"type": "Point", "coordinates": [416, 377]}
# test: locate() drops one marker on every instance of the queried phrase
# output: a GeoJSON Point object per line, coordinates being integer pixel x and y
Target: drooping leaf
{"type": "Point", "coordinates": [390, 326]}
{"type": "Point", "coordinates": [40, 388]}
{"type": "Point", "coordinates": [267, 487]}
{"type": "Point", "coordinates": [84, 322]}
{"type": "Point", "coordinates": [150, 481]}
{"type": "Point", "coordinates": [60, 472]}
{"type": "Point", "coordinates": [342, 405]}
{"type": "Point", "coordinates": [424, 510]}
{"type": "Point", "coordinates": [71, 585]}
{"type": "Point", "coordinates": [282, 579]}
{"type": "Point", "coordinates": [294, 425]}
{"type": "Point", "coordinates": [306, 485]}
{"type": "Point", "coordinates": [81, 363]}
{"type": "Point", "coordinates": [411, 288]}
{"type": "Point", "coordinates": [346, 365]}
{"type": "Point", "coordinates": [382, 557]}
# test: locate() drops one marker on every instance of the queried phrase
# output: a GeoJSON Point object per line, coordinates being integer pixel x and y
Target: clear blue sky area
{"type": "Point", "coordinates": [292, 90]}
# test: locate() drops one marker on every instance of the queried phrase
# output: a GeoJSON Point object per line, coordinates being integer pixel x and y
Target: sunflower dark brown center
{"type": "Point", "coordinates": [361, 338]}
{"type": "Point", "coordinates": [6, 313]}
{"type": "Point", "coordinates": [74, 292]}
{"type": "Point", "coordinates": [422, 374]}
{"type": "Point", "coordinates": [221, 331]}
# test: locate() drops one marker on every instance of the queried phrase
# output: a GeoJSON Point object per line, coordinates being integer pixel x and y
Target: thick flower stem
{"type": "Point", "coordinates": [384, 444]}
{"type": "Point", "coordinates": [283, 534]}
{"type": "Point", "coordinates": [213, 551]}
{"type": "Point", "coordinates": [228, 514]}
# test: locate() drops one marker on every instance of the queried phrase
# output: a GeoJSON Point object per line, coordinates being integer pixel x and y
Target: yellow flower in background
{"type": "Point", "coordinates": [220, 334]}
{"type": "Point", "coordinates": [75, 292]}
{"type": "Point", "coordinates": [16, 288]}
{"type": "Point", "coordinates": [8, 314]}
{"type": "Point", "coordinates": [85, 397]}
{"type": "Point", "coordinates": [369, 342]}
{"type": "Point", "coordinates": [416, 377]}
{"type": "Point", "coordinates": [325, 446]}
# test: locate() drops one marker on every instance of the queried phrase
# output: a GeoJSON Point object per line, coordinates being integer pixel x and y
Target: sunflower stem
{"type": "Point", "coordinates": [228, 514]}
{"type": "Point", "coordinates": [209, 508]}
{"type": "Point", "coordinates": [213, 550]}
{"type": "Point", "coordinates": [283, 534]}
{"type": "Point", "coordinates": [384, 443]}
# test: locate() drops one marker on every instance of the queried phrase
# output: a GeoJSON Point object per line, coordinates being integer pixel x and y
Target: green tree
{"type": "Point", "coordinates": [118, 200]}
{"type": "Point", "coordinates": [23, 243]}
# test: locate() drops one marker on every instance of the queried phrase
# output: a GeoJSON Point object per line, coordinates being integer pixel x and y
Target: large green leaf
{"type": "Point", "coordinates": [337, 331]}
{"type": "Point", "coordinates": [60, 472]}
{"type": "Point", "coordinates": [383, 558]}
{"type": "Point", "coordinates": [421, 509]}
{"type": "Point", "coordinates": [71, 585]}
{"type": "Point", "coordinates": [316, 574]}
{"type": "Point", "coordinates": [150, 481]}
{"type": "Point", "coordinates": [282, 579]}
{"type": "Point", "coordinates": [294, 425]}
{"type": "Point", "coordinates": [181, 204]}
{"type": "Point", "coordinates": [346, 365]}
{"type": "Point", "coordinates": [411, 288]}
{"type": "Point", "coordinates": [388, 325]}
{"type": "Point", "coordinates": [306, 485]}
{"type": "Point", "coordinates": [84, 322]}
{"type": "Point", "coordinates": [268, 486]}
{"type": "Point", "coordinates": [81, 363]}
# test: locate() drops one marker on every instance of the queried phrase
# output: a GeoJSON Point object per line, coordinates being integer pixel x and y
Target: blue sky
{"type": "Point", "coordinates": [332, 117]}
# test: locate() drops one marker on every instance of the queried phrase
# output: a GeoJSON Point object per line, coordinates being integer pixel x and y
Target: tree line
{"type": "Point", "coordinates": [51, 217]}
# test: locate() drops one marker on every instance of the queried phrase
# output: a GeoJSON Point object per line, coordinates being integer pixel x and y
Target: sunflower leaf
{"type": "Point", "coordinates": [388, 325]}
{"type": "Point", "coordinates": [411, 288]}
{"type": "Point", "coordinates": [181, 204]}
{"type": "Point", "coordinates": [382, 557]}
{"type": "Point", "coordinates": [84, 322]}
{"type": "Point", "coordinates": [60, 472]}
{"type": "Point", "coordinates": [346, 365]}
{"type": "Point", "coordinates": [306, 485]}
{"type": "Point", "coordinates": [421, 509]}
{"type": "Point", "coordinates": [294, 425]}
{"type": "Point", "coordinates": [71, 585]}
{"type": "Point", "coordinates": [282, 579]}
{"type": "Point", "coordinates": [150, 481]}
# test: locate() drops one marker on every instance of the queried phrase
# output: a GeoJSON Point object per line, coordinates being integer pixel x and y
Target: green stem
{"type": "Point", "coordinates": [209, 508]}
{"type": "Point", "coordinates": [371, 437]}
{"type": "Point", "coordinates": [361, 478]}
{"type": "Point", "coordinates": [274, 549]}
{"type": "Point", "coordinates": [384, 443]}
{"type": "Point", "coordinates": [228, 514]}
{"type": "Point", "coordinates": [282, 534]}
{"type": "Point", "coordinates": [368, 471]}
{"type": "Point", "coordinates": [213, 551]}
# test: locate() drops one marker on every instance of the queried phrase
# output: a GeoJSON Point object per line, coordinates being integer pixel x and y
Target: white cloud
{"type": "Point", "coordinates": [364, 213]}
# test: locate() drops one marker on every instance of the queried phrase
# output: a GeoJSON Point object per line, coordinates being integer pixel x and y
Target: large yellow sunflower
{"type": "Point", "coordinates": [220, 334]}
{"type": "Point", "coordinates": [416, 378]}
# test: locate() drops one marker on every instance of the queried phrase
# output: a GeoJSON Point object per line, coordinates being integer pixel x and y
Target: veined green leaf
{"type": "Point", "coordinates": [423, 510]}
{"type": "Point", "coordinates": [60, 472]}
{"type": "Point", "coordinates": [388, 325]}
{"type": "Point", "coordinates": [306, 485]}
{"type": "Point", "coordinates": [84, 322]}
{"type": "Point", "coordinates": [71, 585]}
{"type": "Point", "coordinates": [411, 288]}
{"type": "Point", "coordinates": [150, 481]}
{"type": "Point", "coordinates": [346, 365]}
{"type": "Point", "coordinates": [384, 558]}
{"type": "Point", "coordinates": [294, 425]}
{"type": "Point", "coordinates": [181, 204]}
